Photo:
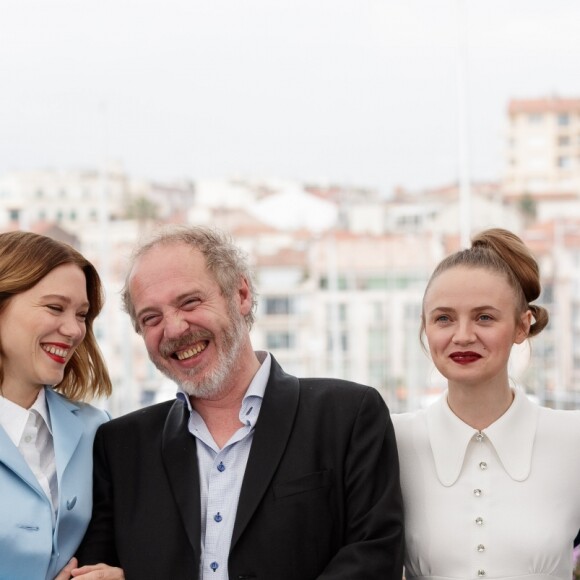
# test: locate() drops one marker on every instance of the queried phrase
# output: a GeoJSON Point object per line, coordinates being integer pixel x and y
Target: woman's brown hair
{"type": "Point", "coordinates": [25, 259]}
{"type": "Point", "coordinates": [501, 251]}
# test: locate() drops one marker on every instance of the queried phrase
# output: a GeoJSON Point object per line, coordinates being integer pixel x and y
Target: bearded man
{"type": "Point", "coordinates": [249, 473]}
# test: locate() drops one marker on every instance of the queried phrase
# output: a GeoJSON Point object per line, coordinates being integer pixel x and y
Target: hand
{"type": "Point", "coordinates": [65, 573]}
{"type": "Point", "coordinates": [98, 572]}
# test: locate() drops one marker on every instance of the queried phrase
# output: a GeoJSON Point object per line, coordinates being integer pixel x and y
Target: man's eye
{"type": "Point", "coordinates": [149, 320]}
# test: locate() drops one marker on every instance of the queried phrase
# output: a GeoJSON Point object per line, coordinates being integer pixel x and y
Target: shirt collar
{"type": "Point", "coordinates": [253, 398]}
{"type": "Point", "coordinates": [256, 389]}
{"type": "Point", "coordinates": [13, 417]}
{"type": "Point", "coordinates": [512, 437]}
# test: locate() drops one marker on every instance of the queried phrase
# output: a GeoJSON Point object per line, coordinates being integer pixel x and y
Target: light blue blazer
{"type": "Point", "coordinates": [29, 550]}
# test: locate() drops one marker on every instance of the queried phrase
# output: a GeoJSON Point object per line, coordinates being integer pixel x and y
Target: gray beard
{"type": "Point", "coordinates": [214, 383]}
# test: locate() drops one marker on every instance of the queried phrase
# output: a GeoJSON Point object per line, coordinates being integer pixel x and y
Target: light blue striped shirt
{"type": "Point", "coordinates": [221, 472]}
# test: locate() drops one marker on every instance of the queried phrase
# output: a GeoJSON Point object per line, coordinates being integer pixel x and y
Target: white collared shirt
{"type": "Point", "coordinates": [21, 426]}
{"type": "Point", "coordinates": [500, 503]}
{"type": "Point", "coordinates": [13, 417]}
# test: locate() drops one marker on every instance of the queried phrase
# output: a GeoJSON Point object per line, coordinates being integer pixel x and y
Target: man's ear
{"type": "Point", "coordinates": [244, 295]}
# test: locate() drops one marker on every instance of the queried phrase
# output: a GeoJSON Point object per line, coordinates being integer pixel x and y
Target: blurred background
{"type": "Point", "coordinates": [347, 145]}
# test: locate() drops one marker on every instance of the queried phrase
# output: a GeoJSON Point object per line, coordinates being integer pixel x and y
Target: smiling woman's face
{"type": "Point", "coordinates": [471, 324]}
{"type": "Point", "coordinates": [40, 329]}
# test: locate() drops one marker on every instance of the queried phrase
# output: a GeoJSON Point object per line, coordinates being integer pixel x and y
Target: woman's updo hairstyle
{"type": "Point", "coordinates": [501, 251]}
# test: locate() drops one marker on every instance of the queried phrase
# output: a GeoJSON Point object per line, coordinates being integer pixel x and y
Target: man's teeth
{"type": "Point", "coordinates": [191, 352]}
{"type": "Point", "coordinates": [55, 350]}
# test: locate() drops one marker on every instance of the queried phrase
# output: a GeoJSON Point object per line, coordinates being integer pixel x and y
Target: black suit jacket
{"type": "Point", "coordinates": [320, 496]}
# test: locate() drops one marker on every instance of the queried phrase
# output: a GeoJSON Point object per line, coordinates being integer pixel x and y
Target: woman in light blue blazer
{"type": "Point", "coordinates": [49, 364]}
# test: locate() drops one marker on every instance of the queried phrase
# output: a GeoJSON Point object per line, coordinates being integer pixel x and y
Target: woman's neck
{"type": "Point", "coordinates": [23, 397]}
{"type": "Point", "coordinates": [479, 407]}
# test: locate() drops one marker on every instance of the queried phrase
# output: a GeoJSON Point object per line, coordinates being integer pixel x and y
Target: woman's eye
{"type": "Point", "coordinates": [54, 307]}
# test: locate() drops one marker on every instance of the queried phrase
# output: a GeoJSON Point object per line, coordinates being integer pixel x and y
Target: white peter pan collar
{"type": "Point", "coordinates": [512, 437]}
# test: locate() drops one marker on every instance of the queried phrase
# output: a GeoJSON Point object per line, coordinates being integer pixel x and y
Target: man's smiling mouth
{"type": "Point", "coordinates": [190, 352]}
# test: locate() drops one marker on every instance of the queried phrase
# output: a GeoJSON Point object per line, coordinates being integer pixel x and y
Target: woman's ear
{"type": "Point", "coordinates": [523, 329]}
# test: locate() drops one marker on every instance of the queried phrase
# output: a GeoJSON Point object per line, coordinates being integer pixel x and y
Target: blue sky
{"type": "Point", "coordinates": [363, 92]}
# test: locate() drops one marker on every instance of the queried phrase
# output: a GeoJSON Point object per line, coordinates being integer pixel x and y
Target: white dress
{"type": "Point", "coordinates": [503, 503]}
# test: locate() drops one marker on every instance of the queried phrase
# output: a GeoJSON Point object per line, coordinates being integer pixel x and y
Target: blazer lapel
{"type": "Point", "coordinates": [273, 429]}
{"type": "Point", "coordinates": [13, 460]}
{"type": "Point", "coordinates": [180, 458]}
{"type": "Point", "coordinates": [67, 430]}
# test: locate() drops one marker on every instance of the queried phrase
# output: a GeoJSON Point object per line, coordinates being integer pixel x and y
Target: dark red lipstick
{"type": "Point", "coordinates": [464, 357]}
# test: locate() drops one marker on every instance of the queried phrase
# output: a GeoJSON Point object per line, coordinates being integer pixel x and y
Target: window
{"type": "Point", "coordinates": [277, 340]}
{"type": "Point", "coordinates": [275, 305]}
{"type": "Point", "coordinates": [563, 140]}
{"type": "Point", "coordinates": [339, 310]}
{"type": "Point", "coordinates": [535, 118]}
{"type": "Point", "coordinates": [563, 119]}
{"type": "Point", "coordinates": [342, 342]}
{"type": "Point", "coordinates": [564, 162]}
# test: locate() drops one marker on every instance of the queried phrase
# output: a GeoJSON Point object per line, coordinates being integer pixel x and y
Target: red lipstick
{"type": "Point", "coordinates": [464, 357]}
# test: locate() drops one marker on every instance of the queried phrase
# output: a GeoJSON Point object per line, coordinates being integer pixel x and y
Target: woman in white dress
{"type": "Point", "coordinates": [490, 479]}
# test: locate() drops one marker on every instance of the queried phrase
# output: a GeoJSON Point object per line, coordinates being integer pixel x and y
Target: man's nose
{"type": "Point", "coordinates": [175, 325]}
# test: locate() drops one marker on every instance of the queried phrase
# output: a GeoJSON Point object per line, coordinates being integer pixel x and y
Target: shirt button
{"type": "Point", "coordinates": [481, 573]}
{"type": "Point", "coordinates": [214, 566]}
{"type": "Point", "coordinates": [483, 466]}
{"type": "Point", "coordinates": [477, 492]}
{"type": "Point", "coordinates": [479, 521]}
{"type": "Point", "coordinates": [481, 548]}
{"type": "Point", "coordinates": [27, 439]}
{"type": "Point", "coordinates": [479, 437]}
{"type": "Point", "coordinates": [218, 518]}
{"type": "Point", "coordinates": [221, 467]}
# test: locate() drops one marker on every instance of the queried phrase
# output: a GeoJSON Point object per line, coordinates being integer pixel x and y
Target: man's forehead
{"type": "Point", "coordinates": [165, 253]}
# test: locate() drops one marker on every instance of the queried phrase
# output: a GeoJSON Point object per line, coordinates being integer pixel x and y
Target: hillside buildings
{"type": "Point", "coordinates": [340, 270]}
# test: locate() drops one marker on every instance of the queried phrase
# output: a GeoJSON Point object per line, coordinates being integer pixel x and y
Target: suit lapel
{"type": "Point", "coordinates": [180, 460]}
{"type": "Point", "coordinates": [273, 429]}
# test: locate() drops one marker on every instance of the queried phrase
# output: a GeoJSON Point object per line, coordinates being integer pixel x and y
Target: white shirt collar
{"type": "Point", "coordinates": [13, 417]}
{"type": "Point", "coordinates": [512, 437]}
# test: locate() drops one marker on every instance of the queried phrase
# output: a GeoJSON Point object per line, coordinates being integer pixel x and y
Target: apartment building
{"type": "Point", "coordinates": [543, 147]}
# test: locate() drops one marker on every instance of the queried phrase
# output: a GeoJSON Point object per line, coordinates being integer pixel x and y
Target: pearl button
{"type": "Point", "coordinates": [480, 548]}
{"type": "Point", "coordinates": [483, 466]}
{"type": "Point", "coordinates": [479, 437]}
{"type": "Point", "coordinates": [477, 492]}
{"type": "Point", "coordinates": [479, 521]}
